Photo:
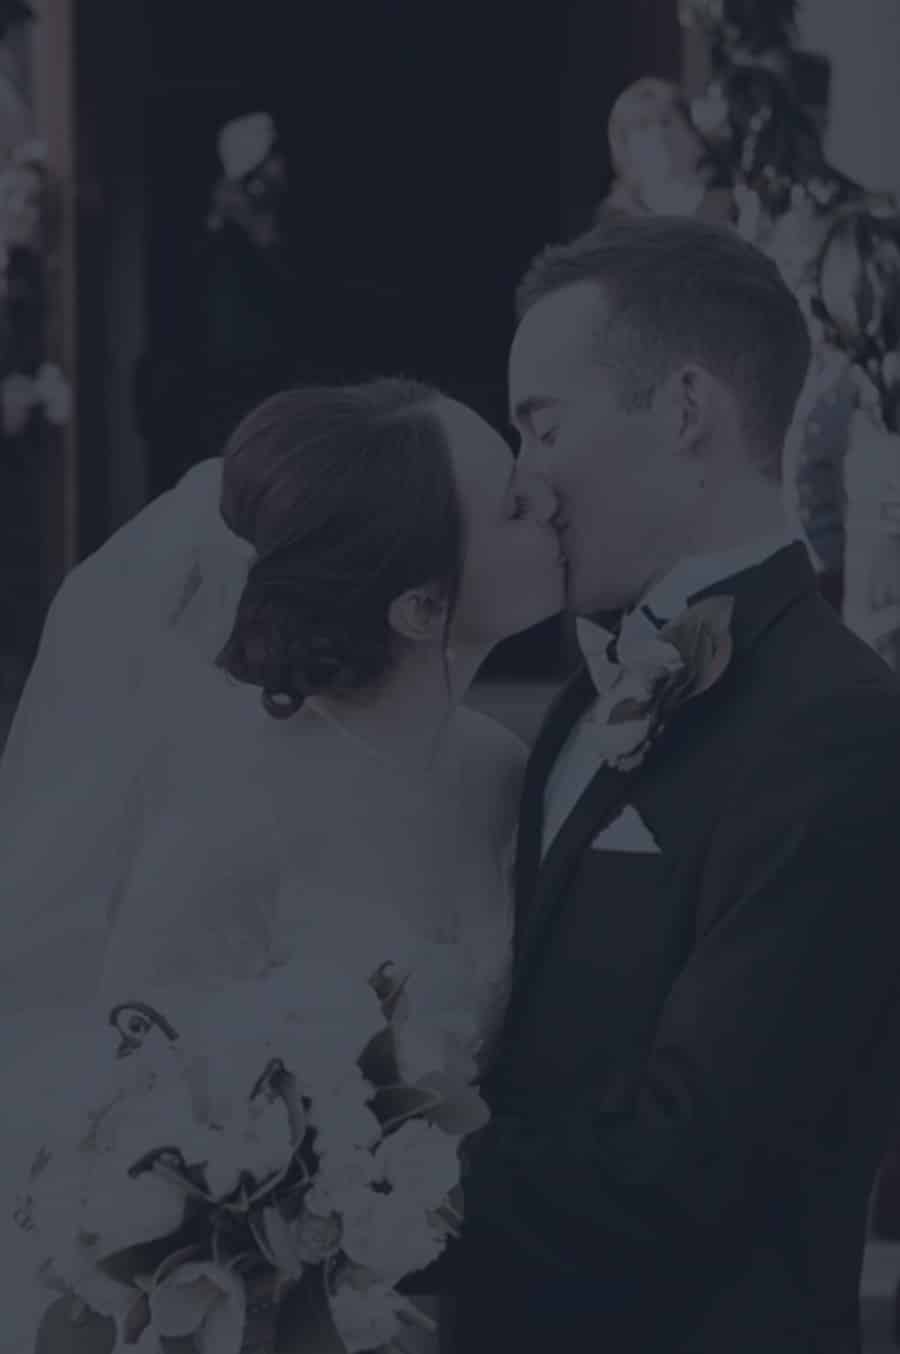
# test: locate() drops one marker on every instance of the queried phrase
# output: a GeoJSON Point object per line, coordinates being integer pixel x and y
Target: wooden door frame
{"type": "Point", "coordinates": [53, 88]}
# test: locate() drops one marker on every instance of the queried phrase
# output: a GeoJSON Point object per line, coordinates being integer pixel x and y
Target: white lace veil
{"type": "Point", "coordinates": [125, 633]}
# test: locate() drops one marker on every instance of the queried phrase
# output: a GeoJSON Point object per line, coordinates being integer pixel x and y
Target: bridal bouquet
{"type": "Point", "coordinates": [249, 1170]}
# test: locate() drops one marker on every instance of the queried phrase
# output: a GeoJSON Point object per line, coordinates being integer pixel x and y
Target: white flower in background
{"type": "Point", "coordinates": [20, 394]}
{"type": "Point", "coordinates": [54, 394]}
{"type": "Point", "coordinates": [750, 213]}
{"type": "Point", "coordinates": [244, 143]}
{"type": "Point", "coordinates": [795, 239]}
{"type": "Point", "coordinates": [366, 1319]}
{"type": "Point", "coordinates": [709, 113]}
{"type": "Point", "coordinates": [391, 1235]}
{"type": "Point", "coordinates": [420, 1162]}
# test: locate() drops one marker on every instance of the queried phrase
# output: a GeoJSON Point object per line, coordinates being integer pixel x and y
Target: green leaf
{"type": "Point", "coordinates": [392, 1104]}
{"type": "Point", "coordinates": [460, 1109]}
{"type": "Point", "coordinates": [378, 1061]}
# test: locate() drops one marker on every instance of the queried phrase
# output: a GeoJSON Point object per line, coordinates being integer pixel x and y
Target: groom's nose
{"type": "Point", "coordinates": [539, 495]}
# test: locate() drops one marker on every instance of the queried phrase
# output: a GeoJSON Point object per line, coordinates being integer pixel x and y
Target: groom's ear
{"type": "Point", "coordinates": [419, 614]}
{"type": "Point", "coordinates": [693, 398]}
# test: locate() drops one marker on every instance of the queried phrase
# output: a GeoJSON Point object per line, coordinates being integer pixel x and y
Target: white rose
{"type": "Point", "coordinates": [120, 1211]}
{"type": "Point", "coordinates": [619, 741]}
{"type": "Point", "coordinates": [87, 1207]}
{"type": "Point", "coordinates": [420, 1162]}
{"type": "Point", "coordinates": [342, 1120]}
{"type": "Point", "coordinates": [366, 1319]}
{"type": "Point", "coordinates": [256, 1139]}
{"type": "Point", "coordinates": [391, 1236]}
{"type": "Point", "coordinates": [342, 1183]}
{"type": "Point", "coordinates": [324, 1016]}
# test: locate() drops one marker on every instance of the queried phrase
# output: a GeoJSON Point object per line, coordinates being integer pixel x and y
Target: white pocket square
{"type": "Point", "coordinates": [628, 832]}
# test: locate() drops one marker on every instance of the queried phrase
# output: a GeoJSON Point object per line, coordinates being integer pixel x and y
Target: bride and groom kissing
{"type": "Point", "coordinates": [674, 921]}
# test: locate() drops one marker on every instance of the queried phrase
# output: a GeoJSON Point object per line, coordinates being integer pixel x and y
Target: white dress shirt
{"type": "Point", "coordinates": [577, 762]}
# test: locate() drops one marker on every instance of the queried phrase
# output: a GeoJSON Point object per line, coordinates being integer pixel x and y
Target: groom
{"type": "Point", "coordinates": [702, 1052]}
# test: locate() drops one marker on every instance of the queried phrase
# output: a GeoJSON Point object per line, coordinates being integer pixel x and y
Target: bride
{"type": "Point", "coordinates": [291, 764]}
{"type": "Point", "coordinates": [327, 775]}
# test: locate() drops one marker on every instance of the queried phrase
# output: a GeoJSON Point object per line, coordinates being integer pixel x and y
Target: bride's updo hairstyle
{"type": "Point", "coordinates": [348, 496]}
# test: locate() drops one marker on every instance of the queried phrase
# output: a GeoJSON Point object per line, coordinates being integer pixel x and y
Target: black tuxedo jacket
{"type": "Point", "coordinates": [701, 1059]}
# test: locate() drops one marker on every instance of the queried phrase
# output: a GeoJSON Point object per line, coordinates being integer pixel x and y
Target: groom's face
{"type": "Point", "coordinates": [615, 471]}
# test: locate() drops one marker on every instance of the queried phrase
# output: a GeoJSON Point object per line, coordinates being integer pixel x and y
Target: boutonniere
{"type": "Point", "coordinates": [656, 673]}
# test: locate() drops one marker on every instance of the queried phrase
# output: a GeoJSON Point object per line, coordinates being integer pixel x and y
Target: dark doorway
{"type": "Point", "coordinates": [422, 146]}
{"type": "Point", "coordinates": [422, 151]}
{"type": "Point", "coordinates": [431, 150]}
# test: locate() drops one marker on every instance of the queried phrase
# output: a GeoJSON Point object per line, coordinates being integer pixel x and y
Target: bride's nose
{"type": "Point", "coordinates": [539, 496]}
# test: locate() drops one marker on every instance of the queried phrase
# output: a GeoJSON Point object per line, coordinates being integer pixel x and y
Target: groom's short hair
{"type": "Point", "coordinates": [681, 290]}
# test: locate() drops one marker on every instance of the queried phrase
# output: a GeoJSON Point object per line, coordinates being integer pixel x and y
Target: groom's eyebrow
{"type": "Point", "coordinates": [526, 409]}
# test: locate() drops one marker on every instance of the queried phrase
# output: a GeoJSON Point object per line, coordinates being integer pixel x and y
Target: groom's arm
{"type": "Point", "coordinates": [796, 963]}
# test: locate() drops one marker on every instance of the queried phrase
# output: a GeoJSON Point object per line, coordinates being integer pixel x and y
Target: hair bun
{"type": "Point", "coordinates": [349, 498]}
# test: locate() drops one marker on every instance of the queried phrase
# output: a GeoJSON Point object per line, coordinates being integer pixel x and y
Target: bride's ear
{"type": "Point", "coordinates": [420, 614]}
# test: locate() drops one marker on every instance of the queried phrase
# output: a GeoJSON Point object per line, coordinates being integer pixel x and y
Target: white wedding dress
{"type": "Point", "coordinates": [160, 829]}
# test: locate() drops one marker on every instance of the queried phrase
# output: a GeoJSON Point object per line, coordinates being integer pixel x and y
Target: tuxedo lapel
{"type": "Point", "coordinates": [762, 594]}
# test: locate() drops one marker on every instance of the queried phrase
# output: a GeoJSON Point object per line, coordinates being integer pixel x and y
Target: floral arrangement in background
{"type": "Point", "coordinates": [837, 246]}
{"type": "Point", "coordinates": [250, 192]}
{"type": "Point", "coordinates": [255, 1169]}
{"type": "Point", "coordinates": [743, 30]}
{"type": "Point", "coordinates": [32, 388]}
